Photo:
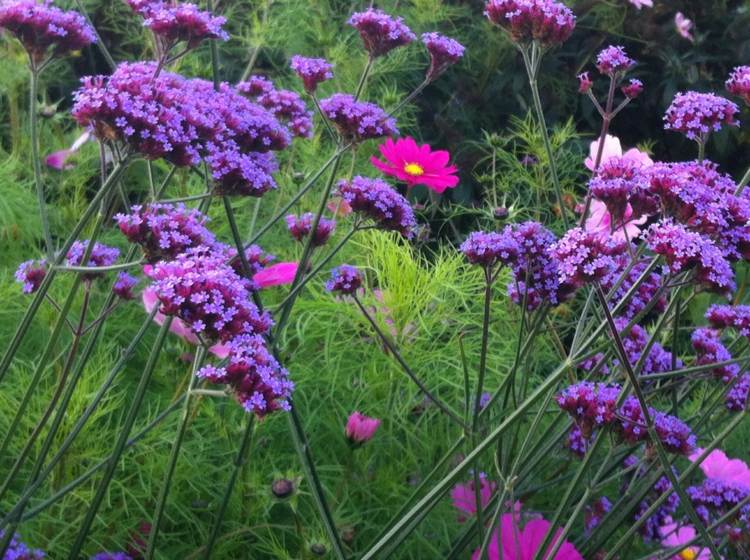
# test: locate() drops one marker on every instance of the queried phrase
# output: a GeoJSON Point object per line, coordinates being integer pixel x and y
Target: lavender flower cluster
{"type": "Point", "coordinates": [345, 279]}
{"type": "Point", "coordinates": [377, 200]}
{"type": "Point", "coordinates": [18, 550]}
{"type": "Point", "coordinates": [444, 52]}
{"type": "Point", "coordinates": [172, 22]}
{"type": "Point", "coordinates": [738, 83]}
{"type": "Point", "coordinates": [312, 71]}
{"type": "Point", "coordinates": [548, 22]}
{"type": "Point", "coordinates": [713, 499]}
{"type": "Point", "coordinates": [300, 227]}
{"type": "Point", "coordinates": [710, 349]}
{"type": "Point", "coordinates": [583, 257]}
{"type": "Point", "coordinates": [696, 114]}
{"type": "Point", "coordinates": [635, 341]}
{"type": "Point", "coordinates": [357, 120]}
{"type": "Point", "coordinates": [380, 32]}
{"type": "Point", "coordinates": [613, 61]}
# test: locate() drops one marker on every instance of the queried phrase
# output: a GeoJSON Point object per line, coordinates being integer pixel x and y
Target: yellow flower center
{"type": "Point", "coordinates": [414, 169]}
{"type": "Point", "coordinates": [688, 554]}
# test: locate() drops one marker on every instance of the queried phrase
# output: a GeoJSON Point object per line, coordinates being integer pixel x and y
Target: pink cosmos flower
{"type": "Point", "coordinates": [718, 465]}
{"type": "Point", "coordinates": [522, 543]}
{"type": "Point", "coordinates": [640, 3]}
{"type": "Point", "coordinates": [600, 222]}
{"type": "Point", "coordinates": [683, 25]}
{"type": "Point", "coordinates": [57, 160]}
{"type": "Point", "coordinates": [416, 165]}
{"type": "Point", "coordinates": [673, 535]}
{"type": "Point", "coordinates": [613, 148]}
{"type": "Point", "coordinates": [276, 275]}
{"type": "Point", "coordinates": [361, 428]}
{"type": "Point", "coordinates": [464, 499]}
{"type": "Point", "coordinates": [178, 327]}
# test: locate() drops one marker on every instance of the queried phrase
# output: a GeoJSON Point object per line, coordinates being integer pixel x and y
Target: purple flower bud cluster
{"type": "Point", "coordinates": [614, 183]}
{"type": "Point", "coordinates": [111, 556]}
{"type": "Point", "coordinates": [714, 497]}
{"type": "Point", "coordinates": [673, 433]}
{"type": "Point", "coordinates": [632, 89]}
{"type": "Point", "coordinates": [30, 274]}
{"type": "Point", "coordinates": [489, 248]}
{"type": "Point", "coordinates": [357, 120]}
{"type": "Point", "coordinates": [649, 530]}
{"type": "Point", "coordinates": [257, 259]}
{"type": "Point", "coordinates": [200, 288]}
{"type": "Point", "coordinates": [642, 296]}
{"type": "Point", "coordinates": [380, 32]}
{"type": "Point", "coordinates": [739, 83]}
{"type": "Point", "coordinates": [301, 226]}
{"type": "Point", "coordinates": [312, 71]}
{"type": "Point", "coordinates": [577, 444]}
{"type": "Point", "coordinates": [710, 350]}
{"type": "Point", "coordinates": [378, 201]}
{"type": "Point", "coordinates": [696, 114]}
{"type": "Point", "coordinates": [595, 512]}
{"type": "Point", "coordinates": [584, 82]}
{"type": "Point", "coordinates": [736, 399]}
{"type": "Point", "coordinates": [185, 121]}
{"type": "Point", "coordinates": [685, 249]}
{"type": "Point", "coordinates": [123, 286]}
{"type": "Point", "coordinates": [44, 29]}
{"type": "Point", "coordinates": [255, 86]}
{"type": "Point", "coordinates": [101, 255]}
{"type": "Point", "coordinates": [613, 61]}
{"type": "Point", "coordinates": [172, 22]}
{"type": "Point", "coordinates": [288, 107]}
{"type": "Point", "coordinates": [444, 52]}
{"type": "Point", "coordinates": [730, 316]}
{"type": "Point", "coordinates": [546, 21]}
{"type": "Point", "coordinates": [256, 378]}
{"type": "Point", "coordinates": [658, 360]}
{"type": "Point", "coordinates": [584, 257]}
{"type": "Point", "coordinates": [591, 405]}
{"type": "Point", "coordinates": [19, 551]}
{"type": "Point", "coordinates": [164, 231]}
{"type": "Point", "coordinates": [345, 279]}
{"type": "Point", "coordinates": [594, 362]}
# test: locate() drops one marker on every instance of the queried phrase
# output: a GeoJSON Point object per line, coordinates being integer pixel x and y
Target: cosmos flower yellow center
{"type": "Point", "coordinates": [414, 169]}
{"type": "Point", "coordinates": [688, 554]}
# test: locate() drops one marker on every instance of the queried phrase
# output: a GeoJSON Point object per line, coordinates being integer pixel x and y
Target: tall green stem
{"type": "Point", "coordinates": [37, 162]}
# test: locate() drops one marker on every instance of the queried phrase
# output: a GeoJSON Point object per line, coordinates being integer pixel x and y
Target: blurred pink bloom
{"type": "Point", "coordinates": [683, 25]}
{"type": "Point", "coordinates": [178, 326]}
{"type": "Point", "coordinates": [464, 499]}
{"type": "Point", "coordinates": [640, 3]}
{"type": "Point", "coordinates": [361, 428]}
{"type": "Point", "coordinates": [718, 465]}
{"type": "Point", "coordinates": [276, 275]}
{"type": "Point", "coordinates": [416, 165]}
{"type": "Point", "coordinates": [673, 535]}
{"type": "Point", "coordinates": [599, 222]}
{"type": "Point", "coordinates": [57, 160]}
{"type": "Point", "coordinates": [339, 207]}
{"type": "Point", "coordinates": [522, 544]}
{"type": "Point", "coordinates": [613, 148]}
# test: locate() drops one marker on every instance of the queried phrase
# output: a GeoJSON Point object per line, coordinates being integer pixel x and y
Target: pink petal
{"type": "Point", "coordinates": [276, 275]}
{"type": "Point", "coordinates": [177, 326]}
{"type": "Point", "coordinates": [56, 160]}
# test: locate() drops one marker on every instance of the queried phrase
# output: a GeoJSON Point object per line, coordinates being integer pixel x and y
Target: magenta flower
{"type": "Point", "coordinates": [416, 165]}
{"type": "Point", "coordinates": [738, 83]}
{"type": "Point", "coordinates": [674, 535]}
{"type": "Point", "coordinates": [465, 500]}
{"type": "Point", "coordinates": [276, 275]}
{"type": "Point", "coordinates": [311, 71]}
{"type": "Point", "coordinates": [633, 89]}
{"type": "Point", "coordinates": [523, 543]}
{"type": "Point", "coordinates": [718, 465]}
{"type": "Point", "coordinates": [546, 21]}
{"type": "Point", "coordinates": [640, 3]}
{"type": "Point", "coordinates": [58, 160]}
{"type": "Point", "coordinates": [361, 428]}
{"type": "Point", "coordinates": [683, 26]}
{"type": "Point", "coordinates": [380, 32]}
{"type": "Point", "coordinates": [444, 52]}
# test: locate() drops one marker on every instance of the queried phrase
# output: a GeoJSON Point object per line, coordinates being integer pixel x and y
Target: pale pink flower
{"type": "Point", "coordinates": [361, 428]}
{"type": "Point", "coordinates": [673, 535]}
{"type": "Point", "coordinates": [57, 160]}
{"type": "Point", "coordinates": [718, 465]}
{"type": "Point", "coordinates": [179, 327]}
{"type": "Point", "coordinates": [683, 26]}
{"type": "Point", "coordinates": [613, 148]}
{"type": "Point", "coordinates": [599, 222]}
{"type": "Point", "coordinates": [640, 3]}
{"type": "Point", "coordinates": [465, 500]}
{"type": "Point", "coordinates": [276, 274]}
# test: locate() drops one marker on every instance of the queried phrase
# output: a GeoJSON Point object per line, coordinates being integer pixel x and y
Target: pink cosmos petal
{"type": "Point", "coordinates": [56, 160]}
{"type": "Point", "coordinates": [640, 3]}
{"type": "Point", "coordinates": [600, 222]}
{"type": "Point", "coordinates": [361, 428]}
{"type": "Point", "coordinates": [673, 535]}
{"type": "Point", "coordinates": [683, 25]}
{"type": "Point", "coordinates": [612, 148]}
{"type": "Point", "coordinates": [436, 174]}
{"type": "Point", "coordinates": [718, 465]}
{"type": "Point", "coordinates": [276, 275]}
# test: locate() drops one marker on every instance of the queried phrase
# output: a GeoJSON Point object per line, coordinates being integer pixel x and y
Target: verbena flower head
{"type": "Point", "coordinates": [546, 21]}
{"type": "Point", "coordinates": [377, 200]}
{"type": "Point", "coordinates": [30, 275]}
{"type": "Point", "coordinates": [730, 316]}
{"type": "Point", "coordinates": [595, 512]}
{"type": "Point", "coordinates": [696, 114]}
{"type": "Point", "coordinates": [357, 120]}
{"type": "Point", "coordinates": [674, 434]}
{"type": "Point", "coordinates": [591, 405]}
{"type": "Point", "coordinates": [613, 61]}
{"type": "Point", "coordinates": [635, 341]}
{"type": "Point", "coordinates": [642, 296]}
{"type": "Point", "coordinates": [444, 52]}
{"type": "Point", "coordinates": [44, 29]}
{"type": "Point", "coordinates": [243, 174]}
{"type": "Point", "coordinates": [489, 248]}
{"type": "Point", "coordinates": [101, 255]}
{"type": "Point", "coordinates": [709, 349]}
{"type": "Point", "coordinates": [737, 397]}
{"type": "Point", "coordinates": [254, 86]}
{"type": "Point", "coordinates": [18, 550]}
{"type": "Point", "coordinates": [172, 22]}
{"type": "Point", "coordinates": [380, 32]}
{"type": "Point", "coordinates": [583, 257]}
{"type": "Point", "coordinates": [683, 250]}
{"type": "Point", "coordinates": [663, 513]}
{"type": "Point", "coordinates": [615, 181]}
{"type": "Point", "coordinates": [288, 107]}
{"type": "Point", "coordinates": [632, 89]}
{"type": "Point", "coordinates": [345, 279]}
{"type": "Point", "coordinates": [576, 443]}
{"type": "Point", "coordinates": [256, 378]}
{"type": "Point", "coordinates": [739, 83]}
{"type": "Point", "coordinates": [301, 226]}
{"type": "Point", "coordinates": [360, 428]}
{"type": "Point", "coordinates": [165, 230]}
{"type": "Point", "coordinates": [464, 498]}
{"type": "Point", "coordinates": [111, 556]}
{"type": "Point", "coordinates": [200, 288]}
{"type": "Point", "coordinates": [312, 71]}
{"type": "Point", "coordinates": [416, 165]}
{"type": "Point", "coordinates": [584, 82]}
{"type": "Point", "coordinates": [123, 286]}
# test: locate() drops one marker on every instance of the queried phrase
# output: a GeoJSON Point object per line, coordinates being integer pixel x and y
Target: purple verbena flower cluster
{"type": "Point", "coordinates": [444, 52]}
{"type": "Point", "coordinates": [673, 433]}
{"type": "Point", "coordinates": [591, 405]}
{"type": "Point", "coordinates": [594, 513]}
{"type": "Point", "coordinates": [380, 32]}
{"type": "Point", "coordinates": [736, 399]}
{"type": "Point", "coordinates": [44, 29]}
{"type": "Point", "coordinates": [632, 89]}
{"type": "Point", "coordinates": [576, 443]}
{"type": "Point", "coordinates": [301, 226]}
{"type": "Point", "coordinates": [111, 556]}
{"type": "Point", "coordinates": [613, 61]}
{"type": "Point", "coordinates": [649, 530]}
{"type": "Point", "coordinates": [546, 21]}
{"type": "Point", "coordinates": [489, 248]}
{"type": "Point", "coordinates": [738, 83]}
{"type": "Point", "coordinates": [345, 279]}
{"type": "Point", "coordinates": [255, 86]}
{"type": "Point", "coordinates": [696, 114]}
{"type": "Point", "coordinates": [18, 550]}
{"type": "Point", "coordinates": [172, 22]}
{"type": "Point", "coordinates": [615, 182]}
{"type": "Point", "coordinates": [312, 71]}
{"type": "Point", "coordinates": [30, 274]}
{"type": "Point", "coordinates": [288, 107]}
{"type": "Point", "coordinates": [378, 201]}
{"type": "Point", "coordinates": [730, 316]}
{"type": "Point", "coordinates": [123, 286]}
{"type": "Point", "coordinates": [101, 255]}
{"type": "Point", "coordinates": [583, 257]}
{"type": "Point", "coordinates": [642, 296]}
{"type": "Point", "coordinates": [714, 497]}
{"type": "Point", "coordinates": [710, 350]}
{"type": "Point", "coordinates": [659, 360]}
{"type": "Point", "coordinates": [357, 120]}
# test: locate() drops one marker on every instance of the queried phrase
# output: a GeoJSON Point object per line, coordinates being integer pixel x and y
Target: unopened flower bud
{"type": "Point", "coordinates": [283, 488]}
{"type": "Point", "coordinates": [633, 89]}
{"type": "Point", "coordinates": [319, 549]}
{"type": "Point", "coordinates": [584, 82]}
{"type": "Point", "coordinates": [500, 213]}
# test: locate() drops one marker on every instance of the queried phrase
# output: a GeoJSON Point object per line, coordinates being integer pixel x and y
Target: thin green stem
{"type": "Point", "coordinates": [363, 77]}
{"type": "Point", "coordinates": [37, 162]}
